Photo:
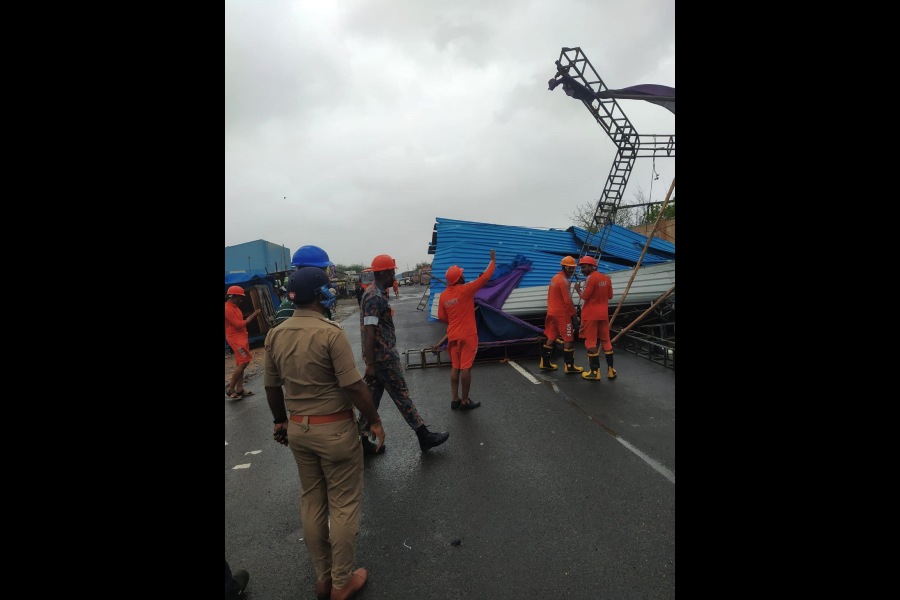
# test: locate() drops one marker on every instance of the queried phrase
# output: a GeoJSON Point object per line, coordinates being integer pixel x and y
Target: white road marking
{"type": "Point", "coordinates": [660, 468]}
{"type": "Point", "coordinates": [245, 466]}
{"type": "Point", "coordinates": [653, 463]}
{"type": "Point", "coordinates": [524, 372]}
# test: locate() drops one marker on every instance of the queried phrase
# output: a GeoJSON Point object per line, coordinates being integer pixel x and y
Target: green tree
{"type": "Point", "coordinates": [646, 215]}
{"type": "Point", "coordinates": [583, 216]}
{"type": "Point", "coordinates": [668, 213]}
{"type": "Point", "coordinates": [354, 267]}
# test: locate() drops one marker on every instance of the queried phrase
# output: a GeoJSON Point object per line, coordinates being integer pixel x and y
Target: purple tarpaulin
{"type": "Point", "coordinates": [497, 290]}
{"type": "Point", "coordinates": [661, 95]}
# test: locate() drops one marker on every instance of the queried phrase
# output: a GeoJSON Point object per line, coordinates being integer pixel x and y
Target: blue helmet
{"type": "Point", "coordinates": [310, 256]}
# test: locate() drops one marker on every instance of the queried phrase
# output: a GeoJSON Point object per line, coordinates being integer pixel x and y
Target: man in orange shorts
{"type": "Point", "coordinates": [595, 317]}
{"type": "Point", "coordinates": [457, 309]}
{"type": "Point", "coordinates": [237, 337]}
{"type": "Point", "coordinates": [558, 322]}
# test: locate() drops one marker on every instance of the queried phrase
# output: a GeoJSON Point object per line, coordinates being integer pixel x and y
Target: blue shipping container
{"type": "Point", "coordinates": [257, 256]}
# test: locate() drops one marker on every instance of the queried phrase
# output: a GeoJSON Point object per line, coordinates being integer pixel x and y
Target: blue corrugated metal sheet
{"type": "Point", "coordinates": [628, 245]}
{"type": "Point", "coordinates": [467, 244]}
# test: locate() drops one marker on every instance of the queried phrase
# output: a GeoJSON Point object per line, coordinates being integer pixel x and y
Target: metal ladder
{"type": "Point", "coordinates": [424, 301]}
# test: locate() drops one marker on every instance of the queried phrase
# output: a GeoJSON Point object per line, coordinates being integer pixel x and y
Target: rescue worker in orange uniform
{"type": "Point", "coordinates": [595, 317]}
{"type": "Point", "coordinates": [457, 309]}
{"type": "Point", "coordinates": [558, 322]}
{"type": "Point", "coordinates": [239, 339]}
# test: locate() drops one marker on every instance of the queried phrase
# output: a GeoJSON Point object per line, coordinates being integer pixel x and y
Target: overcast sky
{"type": "Point", "coordinates": [354, 124]}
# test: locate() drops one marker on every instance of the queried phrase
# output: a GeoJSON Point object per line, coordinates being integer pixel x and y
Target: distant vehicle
{"type": "Point", "coordinates": [405, 281]}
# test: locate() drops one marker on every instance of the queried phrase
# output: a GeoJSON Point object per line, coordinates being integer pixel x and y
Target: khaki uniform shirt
{"type": "Point", "coordinates": [312, 358]}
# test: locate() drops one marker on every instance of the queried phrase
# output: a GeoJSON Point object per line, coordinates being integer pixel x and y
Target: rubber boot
{"type": "Point", "coordinates": [569, 358]}
{"type": "Point", "coordinates": [546, 356]}
{"type": "Point", "coordinates": [428, 439]}
{"type": "Point", "coordinates": [594, 373]}
{"type": "Point", "coordinates": [611, 373]}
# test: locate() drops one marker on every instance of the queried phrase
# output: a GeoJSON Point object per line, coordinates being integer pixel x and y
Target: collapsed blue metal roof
{"type": "Point", "coordinates": [626, 245]}
{"type": "Point", "coordinates": [467, 244]}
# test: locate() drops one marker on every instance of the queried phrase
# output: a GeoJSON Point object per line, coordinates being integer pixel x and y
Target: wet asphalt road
{"type": "Point", "coordinates": [563, 488]}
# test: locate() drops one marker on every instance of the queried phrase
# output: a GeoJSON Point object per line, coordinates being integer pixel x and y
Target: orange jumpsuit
{"type": "Point", "coordinates": [236, 333]}
{"type": "Point", "coordinates": [596, 294]}
{"type": "Point", "coordinates": [560, 310]}
{"type": "Point", "coordinates": [457, 309]}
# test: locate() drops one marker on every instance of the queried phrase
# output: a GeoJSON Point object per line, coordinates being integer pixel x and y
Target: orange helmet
{"type": "Point", "coordinates": [235, 290]}
{"type": "Point", "coordinates": [567, 262]}
{"type": "Point", "coordinates": [588, 260]}
{"type": "Point", "coordinates": [453, 274]}
{"type": "Point", "coordinates": [383, 262]}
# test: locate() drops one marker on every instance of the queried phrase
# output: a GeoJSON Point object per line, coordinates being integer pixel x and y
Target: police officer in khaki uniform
{"type": "Point", "coordinates": [312, 385]}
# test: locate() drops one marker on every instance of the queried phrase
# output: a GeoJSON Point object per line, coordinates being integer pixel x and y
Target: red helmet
{"type": "Point", "coordinates": [568, 261]}
{"type": "Point", "coordinates": [383, 262]}
{"type": "Point", "coordinates": [453, 274]}
{"type": "Point", "coordinates": [588, 260]}
{"type": "Point", "coordinates": [235, 290]}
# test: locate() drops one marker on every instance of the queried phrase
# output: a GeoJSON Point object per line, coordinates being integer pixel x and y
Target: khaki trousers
{"type": "Point", "coordinates": [330, 462]}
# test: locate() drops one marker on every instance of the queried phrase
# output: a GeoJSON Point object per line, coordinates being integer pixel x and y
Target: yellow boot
{"type": "Point", "coordinates": [569, 358]}
{"type": "Point", "coordinates": [610, 372]}
{"type": "Point", "coordinates": [594, 373]}
{"type": "Point", "coordinates": [546, 354]}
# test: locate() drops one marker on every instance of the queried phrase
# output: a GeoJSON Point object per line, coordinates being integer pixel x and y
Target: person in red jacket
{"type": "Point", "coordinates": [558, 322]}
{"type": "Point", "coordinates": [237, 337]}
{"type": "Point", "coordinates": [595, 316]}
{"type": "Point", "coordinates": [457, 309]}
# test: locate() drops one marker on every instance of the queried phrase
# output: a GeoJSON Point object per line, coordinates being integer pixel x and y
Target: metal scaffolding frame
{"type": "Point", "coordinates": [580, 80]}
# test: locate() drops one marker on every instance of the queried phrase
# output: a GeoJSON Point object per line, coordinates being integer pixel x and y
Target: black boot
{"type": "Point", "coordinates": [429, 439]}
{"type": "Point", "coordinates": [239, 581]}
{"type": "Point", "coordinates": [569, 358]}
{"type": "Point", "coordinates": [611, 373]}
{"type": "Point", "coordinates": [546, 357]}
{"type": "Point", "coordinates": [594, 373]}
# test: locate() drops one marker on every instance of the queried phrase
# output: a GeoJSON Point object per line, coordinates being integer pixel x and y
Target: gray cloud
{"type": "Point", "coordinates": [375, 118]}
